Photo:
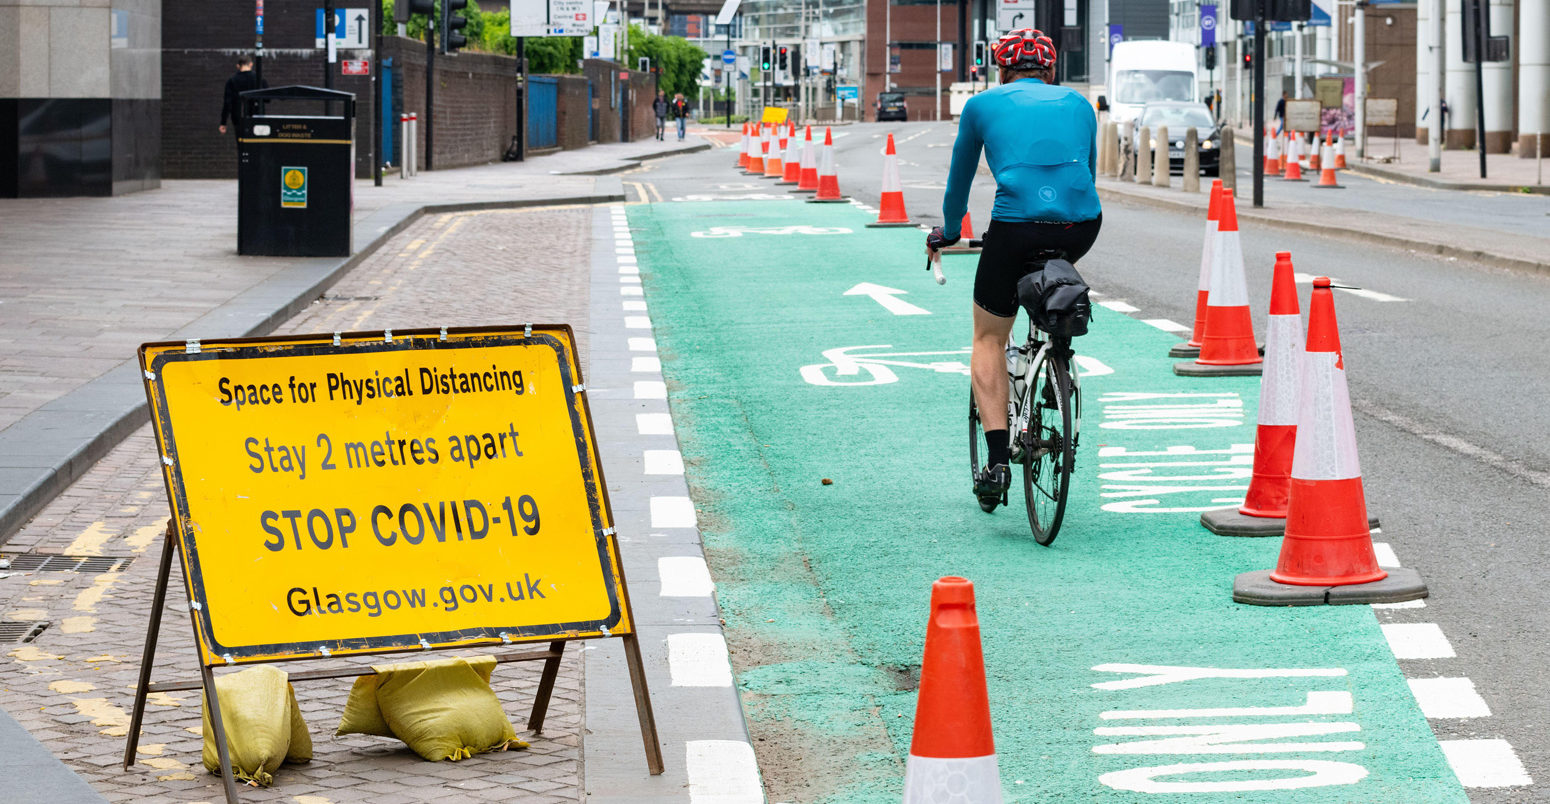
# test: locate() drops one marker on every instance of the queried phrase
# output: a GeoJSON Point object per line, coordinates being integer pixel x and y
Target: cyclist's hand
{"type": "Point", "coordinates": [938, 240]}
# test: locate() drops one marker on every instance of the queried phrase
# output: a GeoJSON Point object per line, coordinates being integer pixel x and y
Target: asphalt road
{"type": "Point", "coordinates": [1447, 384]}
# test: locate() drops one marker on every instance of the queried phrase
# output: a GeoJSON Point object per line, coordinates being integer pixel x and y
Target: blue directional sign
{"type": "Point", "coordinates": [728, 57]}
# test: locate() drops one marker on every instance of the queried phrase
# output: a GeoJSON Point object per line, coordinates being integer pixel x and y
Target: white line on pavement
{"type": "Point", "coordinates": [685, 576]}
{"type": "Point", "coordinates": [663, 462]}
{"type": "Point", "coordinates": [629, 269]}
{"type": "Point", "coordinates": [1417, 641]}
{"type": "Point", "coordinates": [672, 512]}
{"type": "Point", "coordinates": [1303, 279]}
{"type": "Point", "coordinates": [637, 322]}
{"type": "Point", "coordinates": [1448, 698]}
{"type": "Point", "coordinates": [1485, 763]}
{"type": "Point", "coordinates": [629, 279]}
{"type": "Point", "coordinates": [647, 364]}
{"type": "Point", "coordinates": [1119, 306]}
{"type": "Point", "coordinates": [1407, 604]}
{"type": "Point", "coordinates": [698, 660]}
{"type": "Point", "coordinates": [634, 306]}
{"type": "Point", "coordinates": [1165, 325]}
{"type": "Point", "coordinates": [654, 423]}
{"type": "Point", "coordinates": [1385, 554]}
{"type": "Point", "coordinates": [626, 259]}
{"type": "Point", "coordinates": [630, 290]}
{"type": "Point", "coordinates": [650, 389]}
{"type": "Point", "coordinates": [643, 345]}
{"type": "Point", "coordinates": [722, 772]}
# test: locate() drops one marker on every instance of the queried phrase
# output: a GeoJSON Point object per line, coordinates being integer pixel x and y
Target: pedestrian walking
{"type": "Point", "coordinates": [680, 112]}
{"type": "Point", "coordinates": [231, 104]}
{"type": "Point", "coordinates": [660, 107]}
{"type": "Point", "coordinates": [1280, 113]}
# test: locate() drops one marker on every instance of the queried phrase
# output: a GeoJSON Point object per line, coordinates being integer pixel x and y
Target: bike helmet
{"type": "Point", "coordinates": [1025, 49]}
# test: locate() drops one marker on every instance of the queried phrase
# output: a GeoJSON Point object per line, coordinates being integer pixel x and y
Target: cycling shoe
{"type": "Point", "coordinates": [990, 485]}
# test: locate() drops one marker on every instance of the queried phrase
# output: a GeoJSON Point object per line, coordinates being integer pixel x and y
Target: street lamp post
{"type": "Point", "coordinates": [937, 68]}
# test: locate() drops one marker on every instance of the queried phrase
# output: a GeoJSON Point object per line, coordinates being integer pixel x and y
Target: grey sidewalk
{"type": "Point", "coordinates": [84, 281]}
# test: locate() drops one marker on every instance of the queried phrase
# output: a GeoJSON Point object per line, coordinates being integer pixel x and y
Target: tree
{"type": "Point", "coordinates": [679, 61]}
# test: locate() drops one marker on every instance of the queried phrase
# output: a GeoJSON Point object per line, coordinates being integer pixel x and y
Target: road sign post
{"type": "Point", "coordinates": [374, 493]}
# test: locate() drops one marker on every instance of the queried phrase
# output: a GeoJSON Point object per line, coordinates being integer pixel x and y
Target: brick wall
{"type": "Point", "coordinates": [917, 75]}
{"type": "Point", "coordinates": [476, 102]}
{"type": "Point", "coordinates": [573, 99]}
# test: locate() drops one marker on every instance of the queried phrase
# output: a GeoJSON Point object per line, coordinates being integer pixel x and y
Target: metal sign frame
{"type": "Point", "coordinates": [181, 530]}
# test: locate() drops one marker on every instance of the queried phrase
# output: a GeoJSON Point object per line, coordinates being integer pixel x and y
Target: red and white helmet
{"type": "Point", "coordinates": [1025, 49]}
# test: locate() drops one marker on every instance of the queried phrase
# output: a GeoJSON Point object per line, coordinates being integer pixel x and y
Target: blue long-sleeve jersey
{"type": "Point", "coordinates": [1039, 141]}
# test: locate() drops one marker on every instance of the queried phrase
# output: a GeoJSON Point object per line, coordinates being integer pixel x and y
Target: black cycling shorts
{"type": "Point", "coordinates": [1007, 247]}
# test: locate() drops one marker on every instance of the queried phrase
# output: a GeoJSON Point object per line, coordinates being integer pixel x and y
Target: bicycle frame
{"type": "Point", "coordinates": [1020, 406]}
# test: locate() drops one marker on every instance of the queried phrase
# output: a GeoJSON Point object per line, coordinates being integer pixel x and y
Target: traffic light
{"type": "Point", "coordinates": [764, 58]}
{"type": "Point", "coordinates": [1210, 58]}
{"type": "Point", "coordinates": [643, 64]}
{"type": "Point", "coordinates": [979, 56]}
{"type": "Point", "coordinates": [785, 60]}
{"type": "Point", "coordinates": [1248, 59]}
{"type": "Point", "coordinates": [452, 40]}
{"type": "Point", "coordinates": [403, 8]}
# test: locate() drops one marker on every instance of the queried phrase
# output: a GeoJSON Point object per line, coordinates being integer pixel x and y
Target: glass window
{"type": "Point", "coordinates": [1146, 86]}
{"type": "Point", "coordinates": [1178, 117]}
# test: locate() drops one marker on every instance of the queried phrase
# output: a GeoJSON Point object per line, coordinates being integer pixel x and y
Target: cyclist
{"type": "Point", "coordinates": [1039, 140]}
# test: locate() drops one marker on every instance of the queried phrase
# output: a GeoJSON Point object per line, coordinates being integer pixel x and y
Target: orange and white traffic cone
{"type": "Point", "coordinates": [828, 182]}
{"type": "Point", "coordinates": [1327, 180]}
{"type": "Point", "coordinates": [1326, 555]}
{"type": "Point", "coordinates": [1314, 153]}
{"type": "Point", "coordinates": [742, 154]}
{"type": "Point", "coordinates": [1227, 348]}
{"type": "Point", "coordinates": [952, 753]}
{"type": "Point", "coordinates": [1293, 160]}
{"type": "Point", "coordinates": [807, 181]}
{"type": "Point", "coordinates": [1263, 512]}
{"type": "Point", "coordinates": [792, 167]}
{"type": "Point", "coordinates": [761, 146]}
{"type": "Point", "coordinates": [1191, 347]}
{"type": "Point", "coordinates": [1339, 151]}
{"type": "Point", "coordinates": [966, 233]}
{"type": "Point", "coordinates": [1283, 144]}
{"type": "Point", "coordinates": [1272, 164]}
{"type": "Point", "coordinates": [773, 168]}
{"type": "Point", "coordinates": [890, 210]}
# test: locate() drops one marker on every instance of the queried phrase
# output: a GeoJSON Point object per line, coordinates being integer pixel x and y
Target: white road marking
{"type": "Point", "coordinates": [1165, 324]}
{"type": "Point", "coordinates": [672, 512]}
{"type": "Point", "coordinates": [1304, 279]}
{"type": "Point", "coordinates": [647, 364]}
{"type": "Point", "coordinates": [624, 252]}
{"type": "Point", "coordinates": [1407, 604]}
{"type": "Point", "coordinates": [634, 306]}
{"type": "Point", "coordinates": [654, 424]}
{"type": "Point", "coordinates": [643, 345]}
{"type": "Point", "coordinates": [723, 772]}
{"type": "Point", "coordinates": [631, 290]}
{"type": "Point", "coordinates": [663, 462]}
{"type": "Point", "coordinates": [650, 389]}
{"type": "Point", "coordinates": [1448, 698]}
{"type": "Point", "coordinates": [1485, 763]}
{"type": "Point", "coordinates": [1119, 306]}
{"type": "Point", "coordinates": [637, 322]}
{"type": "Point", "coordinates": [698, 660]}
{"type": "Point", "coordinates": [1417, 641]}
{"type": "Point", "coordinates": [885, 296]}
{"type": "Point", "coordinates": [1385, 554]}
{"type": "Point", "coordinates": [626, 259]}
{"type": "Point", "coordinates": [685, 576]}
{"type": "Point", "coordinates": [629, 269]}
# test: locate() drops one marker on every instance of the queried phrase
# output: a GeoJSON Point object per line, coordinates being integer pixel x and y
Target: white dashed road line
{"type": "Point", "coordinates": [1417, 641]}
{"type": "Point", "coordinates": [685, 576]}
{"type": "Point", "coordinates": [1448, 698]}
{"type": "Point", "coordinates": [1485, 763]}
{"type": "Point", "coordinates": [698, 660]}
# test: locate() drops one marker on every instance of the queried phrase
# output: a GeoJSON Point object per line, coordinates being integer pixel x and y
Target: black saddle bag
{"type": "Point", "coordinates": [1056, 299]}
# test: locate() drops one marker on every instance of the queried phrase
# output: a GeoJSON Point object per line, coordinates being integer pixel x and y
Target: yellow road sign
{"type": "Point", "coordinates": [385, 491]}
{"type": "Point", "coordinates": [774, 114]}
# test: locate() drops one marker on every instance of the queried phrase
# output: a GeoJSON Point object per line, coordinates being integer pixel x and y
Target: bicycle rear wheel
{"type": "Point", "coordinates": [1048, 447]}
{"type": "Point", "coordinates": [976, 437]}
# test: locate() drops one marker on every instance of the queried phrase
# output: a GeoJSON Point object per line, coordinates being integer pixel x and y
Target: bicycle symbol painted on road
{"type": "Point", "coordinates": [860, 365]}
{"type": "Point", "coordinates": [800, 229]}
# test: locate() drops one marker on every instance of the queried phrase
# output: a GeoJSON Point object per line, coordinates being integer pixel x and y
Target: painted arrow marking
{"type": "Point", "coordinates": [885, 297]}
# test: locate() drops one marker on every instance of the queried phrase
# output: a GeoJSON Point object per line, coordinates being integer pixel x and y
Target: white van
{"type": "Point", "coordinates": [1142, 72]}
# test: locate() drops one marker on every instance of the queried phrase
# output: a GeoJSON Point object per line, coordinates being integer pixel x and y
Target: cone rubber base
{"type": "Point", "coordinates": [1232, 522]}
{"type": "Point", "coordinates": [1330, 186]}
{"type": "Point", "coordinates": [1198, 369]}
{"type": "Point", "coordinates": [1184, 350]}
{"type": "Point", "coordinates": [1256, 589]}
{"type": "Point", "coordinates": [844, 199]}
{"type": "Point", "coordinates": [787, 182]}
{"type": "Point", "coordinates": [800, 190]}
{"type": "Point", "coordinates": [894, 224]}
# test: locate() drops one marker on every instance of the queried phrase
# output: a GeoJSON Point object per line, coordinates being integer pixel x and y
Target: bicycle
{"type": "Point", "coordinates": [1043, 416]}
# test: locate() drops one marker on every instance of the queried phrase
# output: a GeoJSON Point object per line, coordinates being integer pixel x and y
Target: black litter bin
{"type": "Point", "coordinates": [296, 174]}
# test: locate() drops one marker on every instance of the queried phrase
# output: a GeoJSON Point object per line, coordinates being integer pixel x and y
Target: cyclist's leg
{"type": "Point", "coordinates": [987, 367]}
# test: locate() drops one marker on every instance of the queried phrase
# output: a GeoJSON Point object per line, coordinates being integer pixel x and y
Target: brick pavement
{"type": "Point", "coordinates": [72, 687]}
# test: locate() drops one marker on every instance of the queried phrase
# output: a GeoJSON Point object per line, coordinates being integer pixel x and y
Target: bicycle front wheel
{"type": "Point", "coordinates": [1049, 449]}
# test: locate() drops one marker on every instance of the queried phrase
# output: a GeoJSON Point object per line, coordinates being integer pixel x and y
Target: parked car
{"type": "Point", "coordinates": [1179, 117]}
{"type": "Point", "coordinates": [890, 106]}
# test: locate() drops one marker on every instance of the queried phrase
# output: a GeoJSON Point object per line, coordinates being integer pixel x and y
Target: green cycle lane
{"type": "Point", "coordinates": [1118, 666]}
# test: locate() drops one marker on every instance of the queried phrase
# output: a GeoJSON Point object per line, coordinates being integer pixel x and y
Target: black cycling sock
{"type": "Point", "coordinates": [996, 443]}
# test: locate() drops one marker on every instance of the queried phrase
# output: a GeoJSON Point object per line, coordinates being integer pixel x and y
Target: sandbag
{"type": "Point", "coordinates": [263, 725]}
{"type": "Point", "coordinates": [443, 709]}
